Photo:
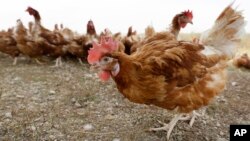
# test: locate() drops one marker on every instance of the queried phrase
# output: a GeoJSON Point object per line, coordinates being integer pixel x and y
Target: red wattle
{"type": "Point", "coordinates": [104, 75]}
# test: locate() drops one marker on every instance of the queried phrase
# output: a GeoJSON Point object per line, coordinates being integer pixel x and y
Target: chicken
{"type": "Point", "coordinates": [54, 43]}
{"type": "Point", "coordinates": [242, 62]}
{"type": "Point", "coordinates": [175, 75]}
{"type": "Point", "coordinates": [75, 44]}
{"type": "Point", "coordinates": [25, 44]}
{"type": "Point", "coordinates": [131, 39]}
{"type": "Point", "coordinates": [77, 48]}
{"type": "Point", "coordinates": [38, 30]}
{"type": "Point", "coordinates": [117, 37]}
{"type": "Point", "coordinates": [8, 44]}
{"type": "Point", "coordinates": [179, 21]}
{"type": "Point", "coordinates": [91, 34]}
{"type": "Point", "coordinates": [56, 29]}
{"type": "Point", "coordinates": [80, 44]}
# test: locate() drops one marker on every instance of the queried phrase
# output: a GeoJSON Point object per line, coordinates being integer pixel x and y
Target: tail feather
{"type": "Point", "coordinates": [149, 31]}
{"type": "Point", "coordinates": [226, 33]}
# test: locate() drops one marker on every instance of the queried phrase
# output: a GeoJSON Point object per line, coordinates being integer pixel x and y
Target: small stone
{"type": "Point", "coordinates": [52, 137]}
{"type": "Point", "coordinates": [222, 100]}
{"type": "Point", "coordinates": [73, 100]}
{"type": "Point", "coordinates": [81, 111]}
{"type": "Point", "coordinates": [33, 128]}
{"type": "Point", "coordinates": [204, 122]}
{"type": "Point", "coordinates": [37, 119]}
{"type": "Point", "coordinates": [218, 124]}
{"type": "Point", "coordinates": [109, 117]}
{"type": "Point", "coordinates": [88, 75]}
{"type": "Point", "coordinates": [206, 138]}
{"type": "Point", "coordinates": [56, 126]}
{"type": "Point", "coordinates": [78, 105]}
{"type": "Point", "coordinates": [19, 96]}
{"type": "Point", "coordinates": [221, 133]}
{"type": "Point", "coordinates": [88, 127]}
{"type": "Point", "coordinates": [52, 92]}
{"type": "Point", "coordinates": [51, 98]}
{"type": "Point", "coordinates": [8, 115]}
{"type": "Point", "coordinates": [16, 78]}
{"type": "Point", "coordinates": [234, 83]}
{"type": "Point", "coordinates": [116, 139]}
{"type": "Point", "coordinates": [221, 139]}
{"type": "Point", "coordinates": [36, 92]}
{"type": "Point", "coordinates": [67, 79]}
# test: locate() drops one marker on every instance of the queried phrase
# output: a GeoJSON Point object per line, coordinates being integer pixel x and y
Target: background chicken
{"type": "Point", "coordinates": [129, 40]}
{"type": "Point", "coordinates": [179, 21]}
{"type": "Point", "coordinates": [38, 30]}
{"type": "Point", "coordinates": [242, 62]}
{"type": "Point", "coordinates": [117, 37]}
{"type": "Point", "coordinates": [54, 44]}
{"type": "Point", "coordinates": [26, 44]}
{"type": "Point", "coordinates": [91, 33]}
{"type": "Point", "coordinates": [174, 75]}
{"type": "Point", "coordinates": [8, 44]}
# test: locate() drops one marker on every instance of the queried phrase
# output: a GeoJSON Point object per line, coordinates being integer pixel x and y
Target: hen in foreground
{"type": "Point", "coordinates": [174, 75]}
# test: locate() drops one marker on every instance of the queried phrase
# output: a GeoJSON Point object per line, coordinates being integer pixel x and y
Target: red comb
{"type": "Point", "coordinates": [188, 13]}
{"type": "Point", "coordinates": [107, 45]}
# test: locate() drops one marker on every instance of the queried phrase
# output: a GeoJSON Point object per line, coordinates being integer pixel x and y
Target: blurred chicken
{"type": "Point", "coordinates": [175, 75]}
{"type": "Point", "coordinates": [77, 49]}
{"type": "Point", "coordinates": [26, 44]}
{"type": "Point", "coordinates": [54, 43]}
{"type": "Point", "coordinates": [37, 30]}
{"type": "Point", "coordinates": [91, 35]}
{"type": "Point", "coordinates": [242, 62]}
{"type": "Point", "coordinates": [179, 21]}
{"type": "Point", "coordinates": [131, 39]}
{"type": "Point", "coordinates": [117, 37]}
{"type": "Point", "coordinates": [8, 44]}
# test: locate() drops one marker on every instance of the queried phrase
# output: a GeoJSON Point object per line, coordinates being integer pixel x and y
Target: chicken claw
{"type": "Point", "coordinates": [170, 126]}
{"type": "Point", "coordinates": [39, 62]}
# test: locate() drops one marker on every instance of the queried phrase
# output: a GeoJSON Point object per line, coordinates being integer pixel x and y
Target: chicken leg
{"type": "Point", "coordinates": [58, 62]}
{"type": "Point", "coordinates": [170, 126]}
{"type": "Point", "coordinates": [14, 61]}
{"type": "Point", "coordinates": [80, 61]}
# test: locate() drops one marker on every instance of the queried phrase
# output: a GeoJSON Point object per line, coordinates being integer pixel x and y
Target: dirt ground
{"type": "Point", "coordinates": [40, 102]}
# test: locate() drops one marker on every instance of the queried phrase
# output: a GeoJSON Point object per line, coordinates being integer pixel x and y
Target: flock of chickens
{"type": "Point", "coordinates": [36, 41]}
{"type": "Point", "coordinates": [156, 69]}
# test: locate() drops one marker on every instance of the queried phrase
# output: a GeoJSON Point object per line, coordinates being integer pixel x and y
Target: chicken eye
{"type": "Point", "coordinates": [184, 17]}
{"type": "Point", "coordinates": [106, 59]}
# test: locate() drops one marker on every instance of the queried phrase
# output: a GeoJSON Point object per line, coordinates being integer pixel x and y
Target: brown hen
{"type": "Point", "coordinates": [174, 75]}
